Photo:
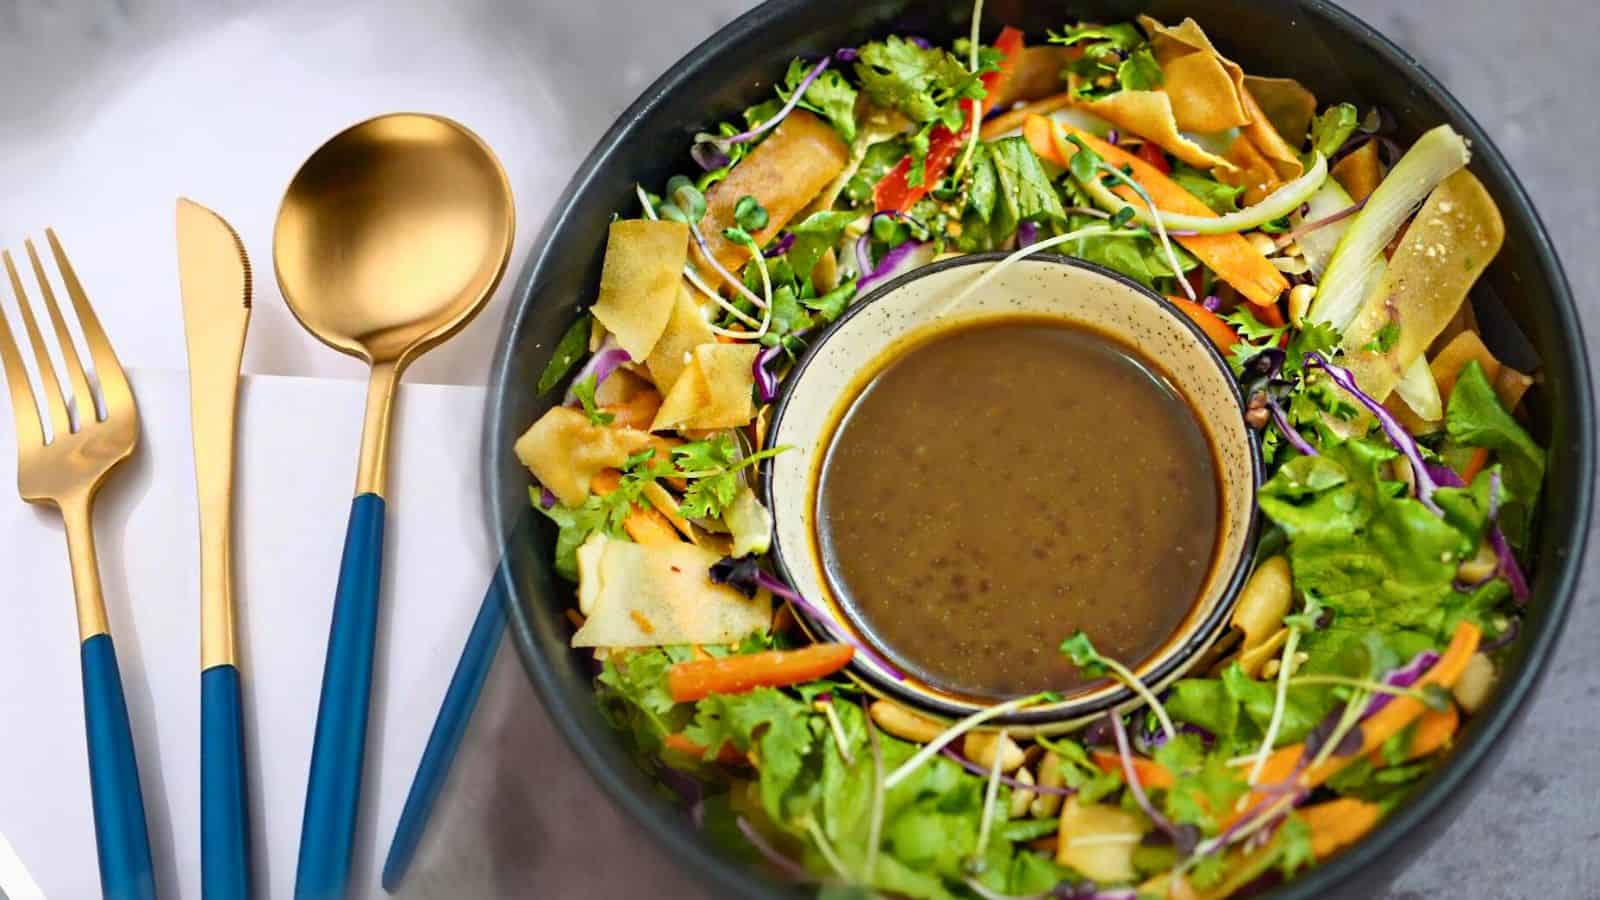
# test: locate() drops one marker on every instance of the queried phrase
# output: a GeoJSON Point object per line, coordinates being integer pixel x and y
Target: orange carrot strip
{"type": "Point", "coordinates": [1151, 773]}
{"type": "Point", "coordinates": [1475, 464]}
{"type": "Point", "coordinates": [1434, 730]}
{"type": "Point", "coordinates": [1339, 823]}
{"type": "Point", "coordinates": [1397, 714]}
{"type": "Point", "coordinates": [645, 526]}
{"type": "Point", "coordinates": [1220, 332]}
{"type": "Point", "coordinates": [682, 743]}
{"type": "Point", "coordinates": [1013, 119]}
{"type": "Point", "coordinates": [1229, 255]}
{"type": "Point", "coordinates": [696, 679]}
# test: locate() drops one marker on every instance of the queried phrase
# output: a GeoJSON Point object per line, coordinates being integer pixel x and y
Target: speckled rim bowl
{"type": "Point", "coordinates": [1523, 303]}
{"type": "Point", "coordinates": [925, 301]}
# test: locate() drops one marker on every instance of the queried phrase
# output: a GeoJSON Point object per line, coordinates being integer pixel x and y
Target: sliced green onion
{"type": "Point", "coordinates": [1275, 205]}
{"type": "Point", "coordinates": [1345, 284]}
{"type": "Point", "coordinates": [1420, 391]}
{"type": "Point", "coordinates": [1318, 243]}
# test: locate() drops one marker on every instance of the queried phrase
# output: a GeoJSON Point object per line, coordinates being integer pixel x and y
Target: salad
{"type": "Point", "coordinates": [1331, 265]}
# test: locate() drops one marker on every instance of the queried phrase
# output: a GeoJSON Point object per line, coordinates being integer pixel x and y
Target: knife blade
{"type": "Point", "coordinates": [214, 278]}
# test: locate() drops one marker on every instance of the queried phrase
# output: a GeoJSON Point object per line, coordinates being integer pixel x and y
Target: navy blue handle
{"type": "Point", "coordinates": [333, 791]}
{"type": "Point", "coordinates": [122, 842]}
{"type": "Point", "coordinates": [224, 799]}
{"type": "Point", "coordinates": [454, 713]}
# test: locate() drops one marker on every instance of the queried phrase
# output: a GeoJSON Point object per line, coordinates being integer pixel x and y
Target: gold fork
{"type": "Point", "coordinates": [65, 471]}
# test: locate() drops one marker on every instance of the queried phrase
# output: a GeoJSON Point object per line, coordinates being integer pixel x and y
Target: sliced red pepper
{"type": "Point", "coordinates": [893, 191]}
{"type": "Point", "coordinates": [1152, 154]}
{"type": "Point", "coordinates": [1008, 44]}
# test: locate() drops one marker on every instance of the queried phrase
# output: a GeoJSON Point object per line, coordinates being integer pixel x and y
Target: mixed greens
{"type": "Point", "coordinates": [1330, 268]}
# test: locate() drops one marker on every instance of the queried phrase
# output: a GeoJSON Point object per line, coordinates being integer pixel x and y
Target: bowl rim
{"type": "Point", "coordinates": [1202, 635]}
{"type": "Point", "coordinates": [596, 745]}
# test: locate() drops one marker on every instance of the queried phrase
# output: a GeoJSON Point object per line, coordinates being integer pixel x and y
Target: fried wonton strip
{"type": "Point", "coordinates": [1035, 75]}
{"type": "Point", "coordinates": [1270, 143]}
{"type": "Point", "coordinates": [1509, 384]}
{"type": "Point", "coordinates": [1187, 38]}
{"type": "Point", "coordinates": [1149, 115]}
{"type": "Point", "coordinates": [565, 451]}
{"type": "Point", "coordinates": [1448, 245]}
{"type": "Point", "coordinates": [1288, 106]}
{"type": "Point", "coordinates": [686, 329]}
{"type": "Point", "coordinates": [1098, 840]}
{"type": "Point", "coordinates": [1359, 172]}
{"type": "Point", "coordinates": [714, 391]}
{"type": "Point", "coordinates": [783, 173]}
{"type": "Point", "coordinates": [640, 280]}
{"type": "Point", "coordinates": [1205, 97]}
{"type": "Point", "coordinates": [1253, 171]}
{"type": "Point", "coordinates": [669, 586]}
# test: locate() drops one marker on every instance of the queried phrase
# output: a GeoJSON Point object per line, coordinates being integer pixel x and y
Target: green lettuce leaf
{"type": "Point", "coordinates": [830, 95]}
{"type": "Point", "coordinates": [1475, 418]}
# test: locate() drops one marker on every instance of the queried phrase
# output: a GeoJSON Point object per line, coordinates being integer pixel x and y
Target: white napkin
{"type": "Point", "coordinates": [503, 826]}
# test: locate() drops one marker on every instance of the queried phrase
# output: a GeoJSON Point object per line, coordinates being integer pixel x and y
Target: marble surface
{"type": "Point", "coordinates": [113, 106]}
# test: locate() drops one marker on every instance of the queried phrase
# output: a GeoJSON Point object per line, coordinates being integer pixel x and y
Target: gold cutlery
{"type": "Point", "coordinates": [65, 470]}
{"type": "Point", "coordinates": [390, 239]}
{"type": "Point", "coordinates": [214, 277]}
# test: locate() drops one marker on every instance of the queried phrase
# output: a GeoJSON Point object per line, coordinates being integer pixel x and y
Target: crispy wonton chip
{"type": "Point", "coordinates": [640, 280]}
{"type": "Point", "coordinates": [564, 451]}
{"type": "Point", "coordinates": [1359, 172]}
{"type": "Point", "coordinates": [634, 595]}
{"type": "Point", "coordinates": [714, 391]}
{"type": "Point", "coordinates": [1254, 172]}
{"type": "Point", "coordinates": [783, 173]}
{"type": "Point", "coordinates": [1448, 245]}
{"type": "Point", "coordinates": [1205, 97]}
{"type": "Point", "coordinates": [1288, 106]}
{"type": "Point", "coordinates": [1188, 39]}
{"type": "Point", "coordinates": [686, 329]}
{"type": "Point", "coordinates": [1149, 115]}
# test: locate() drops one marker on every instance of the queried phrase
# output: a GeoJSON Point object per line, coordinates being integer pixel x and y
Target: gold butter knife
{"type": "Point", "coordinates": [214, 275]}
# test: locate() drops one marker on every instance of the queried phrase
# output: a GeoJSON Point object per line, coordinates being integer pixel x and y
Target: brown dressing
{"type": "Point", "coordinates": [1004, 483]}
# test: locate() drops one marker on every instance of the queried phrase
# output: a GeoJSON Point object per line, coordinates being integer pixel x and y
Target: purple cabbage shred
{"type": "Point", "coordinates": [785, 241]}
{"type": "Point", "coordinates": [600, 365]}
{"type": "Point", "coordinates": [1402, 440]}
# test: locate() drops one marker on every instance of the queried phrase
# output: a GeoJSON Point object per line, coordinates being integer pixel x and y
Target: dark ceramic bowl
{"type": "Point", "coordinates": [1523, 303]}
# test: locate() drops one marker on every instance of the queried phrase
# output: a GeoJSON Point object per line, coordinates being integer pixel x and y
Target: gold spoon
{"type": "Point", "coordinates": [390, 238]}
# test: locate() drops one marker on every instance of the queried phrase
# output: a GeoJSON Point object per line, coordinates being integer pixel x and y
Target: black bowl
{"type": "Point", "coordinates": [1524, 305]}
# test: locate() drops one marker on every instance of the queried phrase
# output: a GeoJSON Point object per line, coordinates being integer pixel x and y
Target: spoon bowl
{"type": "Point", "coordinates": [393, 235]}
{"type": "Point", "coordinates": [390, 239]}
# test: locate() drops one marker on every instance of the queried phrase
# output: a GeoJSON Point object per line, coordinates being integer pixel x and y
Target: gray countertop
{"type": "Point", "coordinates": [1524, 71]}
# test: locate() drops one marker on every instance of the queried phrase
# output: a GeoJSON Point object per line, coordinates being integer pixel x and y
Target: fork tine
{"type": "Point", "coordinates": [23, 407]}
{"type": "Point", "coordinates": [82, 398]}
{"type": "Point", "coordinates": [114, 387]}
{"type": "Point", "coordinates": [54, 401]}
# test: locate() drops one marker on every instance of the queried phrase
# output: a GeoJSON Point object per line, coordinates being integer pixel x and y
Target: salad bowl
{"type": "Point", "coordinates": [1524, 307]}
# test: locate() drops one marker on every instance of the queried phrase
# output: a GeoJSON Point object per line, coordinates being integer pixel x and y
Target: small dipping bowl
{"type": "Point", "coordinates": [902, 315]}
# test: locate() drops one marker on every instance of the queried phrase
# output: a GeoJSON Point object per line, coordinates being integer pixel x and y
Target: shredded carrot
{"type": "Point", "coordinates": [1339, 823]}
{"type": "Point", "coordinates": [643, 623]}
{"type": "Point", "coordinates": [1397, 714]}
{"type": "Point", "coordinates": [696, 679]}
{"type": "Point", "coordinates": [645, 526]}
{"type": "Point", "coordinates": [1474, 464]}
{"type": "Point", "coordinates": [1434, 731]}
{"type": "Point", "coordinates": [1229, 255]}
{"type": "Point", "coordinates": [1151, 773]}
{"type": "Point", "coordinates": [1013, 119]}
{"type": "Point", "coordinates": [682, 743]}
{"type": "Point", "coordinates": [1220, 332]}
